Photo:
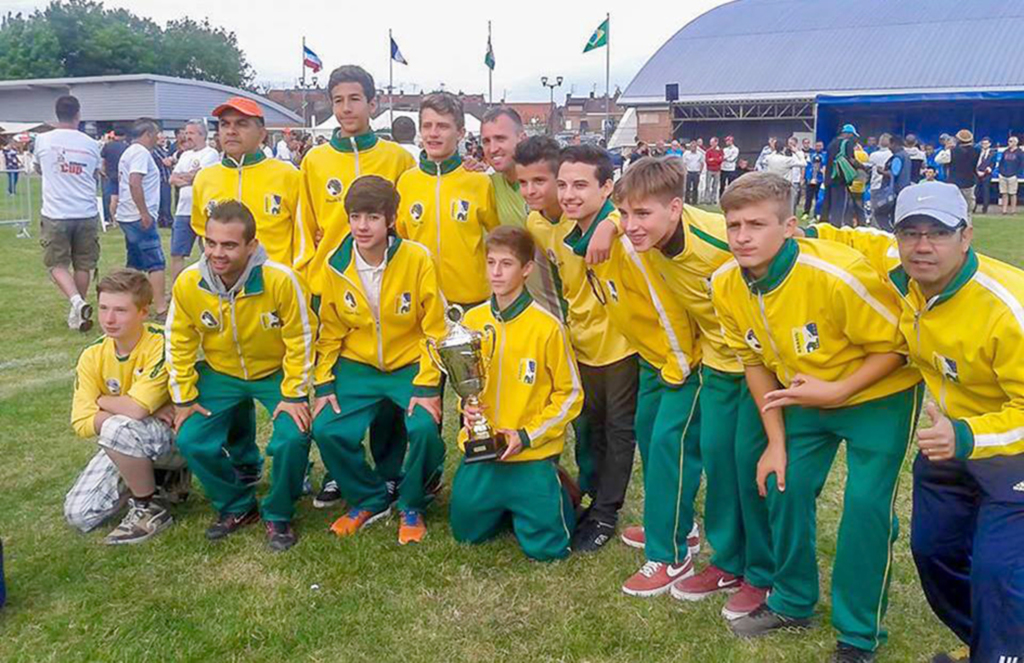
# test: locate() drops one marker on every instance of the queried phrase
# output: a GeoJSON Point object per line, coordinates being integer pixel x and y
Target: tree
{"type": "Point", "coordinates": [82, 38]}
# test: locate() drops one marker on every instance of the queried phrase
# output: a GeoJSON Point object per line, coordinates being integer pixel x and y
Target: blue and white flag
{"type": "Point", "coordinates": [396, 54]}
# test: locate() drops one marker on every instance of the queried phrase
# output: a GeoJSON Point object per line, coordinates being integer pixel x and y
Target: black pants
{"type": "Point", "coordinates": [692, 186]}
{"type": "Point", "coordinates": [811, 196]}
{"type": "Point", "coordinates": [983, 195]}
{"type": "Point", "coordinates": [727, 178]}
{"type": "Point", "coordinates": [605, 439]}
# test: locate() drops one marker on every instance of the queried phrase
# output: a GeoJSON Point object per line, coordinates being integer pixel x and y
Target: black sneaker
{"type": "Point", "coordinates": [280, 535]}
{"type": "Point", "coordinates": [960, 655]}
{"type": "Point", "coordinates": [391, 485]}
{"type": "Point", "coordinates": [591, 536]}
{"type": "Point", "coordinates": [328, 496]}
{"type": "Point", "coordinates": [763, 621]}
{"type": "Point", "coordinates": [845, 653]}
{"type": "Point", "coordinates": [229, 523]}
{"type": "Point", "coordinates": [250, 475]}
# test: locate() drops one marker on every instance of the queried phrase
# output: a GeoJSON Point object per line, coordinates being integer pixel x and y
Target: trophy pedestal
{"type": "Point", "coordinates": [487, 449]}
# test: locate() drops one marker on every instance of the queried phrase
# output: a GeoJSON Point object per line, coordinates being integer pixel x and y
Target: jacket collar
{"type": "Point", "coordinates": [253, 284]}
{"type": "Point", "coordinates": [513, 310]}
{"type": "Point", "coordinates": [448, 165]}
{"type": "Point", "coordinates": [778, 270]}
{"type": "Point", "coordinates": [347, 144]}
{"type": "Point", "coordinates": [247, 160]}
{"type": "Point", "coordinates": [676, 243]}
{"type": "Point", "coordinates": [579, 240]}
{"type": "Point", "coordinates": [902, 281]}
{"type": "Point", "coordinates": [342, 258]}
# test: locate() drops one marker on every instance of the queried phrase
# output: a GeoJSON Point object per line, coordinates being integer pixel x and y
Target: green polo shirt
{"type": "Point", "coordinates": [512, 209]}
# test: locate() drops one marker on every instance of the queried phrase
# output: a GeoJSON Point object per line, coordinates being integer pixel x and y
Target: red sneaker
{"type": "Point", "coordinates": [634, 537]}
{"type": "Point", "coordinates": [655, 578]}
{"type": "Point", "coordinates": [709, 581]}
{"type": "Point", "coordinates": [745, 601]}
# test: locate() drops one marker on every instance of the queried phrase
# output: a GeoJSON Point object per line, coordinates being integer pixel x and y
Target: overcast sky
{"type": "Point", "coordinates": [444, 42]}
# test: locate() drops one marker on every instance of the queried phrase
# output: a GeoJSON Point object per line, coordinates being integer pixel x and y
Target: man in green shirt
{"type": "Point", "coordinates": [500, 131]}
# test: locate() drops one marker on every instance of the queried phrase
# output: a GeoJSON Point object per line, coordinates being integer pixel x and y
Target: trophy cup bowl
{"type": "Point", "coordinates": [461, 356]}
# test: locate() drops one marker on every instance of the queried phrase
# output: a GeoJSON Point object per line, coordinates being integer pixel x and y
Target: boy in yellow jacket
{"type": "Point", "coordinates": [446, 208]}
{"type": "Point", "coordinates": [608, 364]}
{"type": "Point", "coordinates": [816, 319]}
{"type": "Point", "coordinates": [684, 246]}
{"type": "Point", "coordinates": [251, 319]}
{"type": "Point", "coordinates": [380, 306]}
{"type": "Point", "coordinates": [533, 392]}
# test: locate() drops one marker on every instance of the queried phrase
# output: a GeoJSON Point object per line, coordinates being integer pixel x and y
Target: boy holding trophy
{"type": "Point", "coordinates": [532, 393]}
{"type": "Point", "coordinates": [380, 305]}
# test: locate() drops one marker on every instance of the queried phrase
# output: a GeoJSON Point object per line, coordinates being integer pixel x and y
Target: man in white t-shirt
{"type": "Point", "coordinates": [196, 156]}
{"type": "Point", "coordinates": [730, 157]}
{"type": "Point", "coordinates": [69, 160]}
{"type": "Point", "coordinates": [878, 159]}
{"type": "Point", "coordinates": [693, 164]}
{"type": "Point", "coordinates": [138, 204]}
{"type": "Point", "coordinates": [283, 152]}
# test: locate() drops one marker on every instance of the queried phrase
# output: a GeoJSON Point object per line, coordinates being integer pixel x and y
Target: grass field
{"type": "Point", "coordinates": [180, 598]}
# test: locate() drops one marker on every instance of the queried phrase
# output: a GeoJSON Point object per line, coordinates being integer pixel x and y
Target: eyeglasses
{"type": "Point", "coordinates": [934, 236]}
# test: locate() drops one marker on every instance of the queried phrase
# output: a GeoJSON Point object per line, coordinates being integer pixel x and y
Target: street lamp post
{"type": "Point", "coordinates": [551, 85]}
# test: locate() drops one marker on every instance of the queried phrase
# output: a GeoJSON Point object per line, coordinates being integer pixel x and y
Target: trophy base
{"type": "Point", "coordinates": [489, 449]}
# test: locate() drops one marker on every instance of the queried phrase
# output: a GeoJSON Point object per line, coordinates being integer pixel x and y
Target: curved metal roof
{"type": "Point", "coordinates": [776, 49]}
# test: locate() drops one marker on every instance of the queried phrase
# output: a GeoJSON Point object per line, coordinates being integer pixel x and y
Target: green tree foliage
{"type": "Point", "coordinates": [82, 38]}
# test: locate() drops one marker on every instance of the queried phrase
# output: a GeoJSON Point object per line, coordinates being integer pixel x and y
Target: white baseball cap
{"type": "Point", "coordinates": [938, 201]}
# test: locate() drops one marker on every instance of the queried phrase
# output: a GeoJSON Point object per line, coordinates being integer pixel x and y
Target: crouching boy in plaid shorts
{"type": "Point", "coordinates": [121, 396]}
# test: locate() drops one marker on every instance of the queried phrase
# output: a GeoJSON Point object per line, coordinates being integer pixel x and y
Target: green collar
{"type": "Point", "coordinates": [676, 243]}
{"type": "Point", "coordinates": [579, 240]}
{"type": "Point", "coordinates": [247, 160]}
{"type": "Point", "coordinates": [342, 257]}
{"type": "Point", "coordinates": [348, 144]}
{"type": "Point", "coordinates": [448, 165]}
{"type": "Point", "coordinates": [253, 285]}
{"type": "Point", "coordinates": [901, 280]}
{"type": "Point", "coordinates": [514, 309]}
{"type": "Point", "coordinates": [778, 270]}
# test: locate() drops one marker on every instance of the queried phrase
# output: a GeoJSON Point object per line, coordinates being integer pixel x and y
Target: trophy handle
{"type": "Point", "coordinates": [490, 335]}
{"type": "Point", "coordinates": [435, 356]}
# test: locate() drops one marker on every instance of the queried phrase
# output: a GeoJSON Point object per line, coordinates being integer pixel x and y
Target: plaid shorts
{"type": "Point", "coordinates": [99, 492]}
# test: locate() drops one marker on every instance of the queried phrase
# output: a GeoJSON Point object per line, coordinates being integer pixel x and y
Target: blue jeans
{"type": "Point", "coordinates": [12, 182]}
{"type": "Point", "coordinates": [182, 237]}
{"type": "Point", "coordinates": [143, 246]}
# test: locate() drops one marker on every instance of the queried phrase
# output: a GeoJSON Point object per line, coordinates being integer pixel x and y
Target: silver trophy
{"type": "Point", "coordinates": [461, 356]}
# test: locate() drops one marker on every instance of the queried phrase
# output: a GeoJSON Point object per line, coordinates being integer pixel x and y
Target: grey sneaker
{"type": "Point", "coordinates": [763, 621]}
{"type": "Point", "coordinates": [142, 522]}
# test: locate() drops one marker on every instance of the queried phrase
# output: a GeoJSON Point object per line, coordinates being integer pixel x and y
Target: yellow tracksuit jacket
{"type": "Point", "coordinates": [327, 172]}
{"type": "Point", "coordinates": [268, 187]}
{"type": "Point", "coordinates": [410, 311]}
{"type": "Point", "coordinates": [596, 341]}
{"type": "Point", "coordinates": [967, 341]}
{"type": "Point", "coordinates": [533, 385]}
{"type": "Point", "coordinates": [696, 250]}
{"type": "Point", "coordinates": [269, 326]}
{"type": "Point", "coordinates": [141, 375]}
{"type": "Point", "coordinates": [640, 307]}
{"type": "Point", "coordinates": [820, 310]}
{"type": "Point", "coordinates": [449, 210]}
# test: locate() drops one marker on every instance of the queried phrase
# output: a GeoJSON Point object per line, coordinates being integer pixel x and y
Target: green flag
{"type": "Point", "coordinates": [489, 58]}
{"type": "Point", "coordinates": [599, 38]}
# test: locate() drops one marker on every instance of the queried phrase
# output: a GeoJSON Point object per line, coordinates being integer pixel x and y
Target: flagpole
{"type": "Point", "coordinates": [607, 77]}
{"type": "Point", "coordinates": [490, 71]}
{"type": "Point", "coordinates": [391, 84]}
{"type": "Point", "coordinates": [303, 81]}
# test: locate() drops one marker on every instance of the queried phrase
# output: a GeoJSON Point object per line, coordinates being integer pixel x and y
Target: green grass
{"type": "Point", "coordinates": [363, 599]}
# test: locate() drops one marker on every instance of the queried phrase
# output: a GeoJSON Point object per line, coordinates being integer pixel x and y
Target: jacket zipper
{"type": "Point", "coordinates": [234, 334]}
{"type": "Point", "coordinates": [501, 361]}
{"type": "Point", "coordinates": [378, 328]}
{"type": "Point", "coordinates": [437, 204]}
{"type": "Point", "coordinates": [771, 338]}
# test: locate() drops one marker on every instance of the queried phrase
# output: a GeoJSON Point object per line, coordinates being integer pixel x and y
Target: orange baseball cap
{"type": "Point", "coordinates": [242, 105]}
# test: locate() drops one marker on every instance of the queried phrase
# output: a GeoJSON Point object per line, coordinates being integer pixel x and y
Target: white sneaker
{"type": "Point", "coordinates": [80, 317]}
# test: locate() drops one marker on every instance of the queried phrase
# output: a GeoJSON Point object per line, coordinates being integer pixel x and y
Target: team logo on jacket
{"type": "Point", "coordinates": [527, 371]}
{"type": "Point", "coordinates": [751, 338]}
{"type": "Point", "coordinates": [416, 211]}
{"type": "Point", "coordinates": [613, 290]}
{"type": "Point", "coordinates": [209, 319]}
{"type": "Point", "coordinates": [334, 187]}
{"type": "Point", "coordinates": [460, 210]}
{"type": "Point", "coordinates": [114, 386]}
{"type": "Point", "coordinates": [947, 367]}
{"type": "Point", "coordinates": [350, 299]}
{"type": "Point", "coordinates": [270, 320]}
{"type": "Point", "coordinates": [272, 204]}
{"type": "Point", "coordinates": [403, 306]}
{"type": "Point", "coordinates": [805, 339]}
{"type": "Point", "coordinates": [210, 207]}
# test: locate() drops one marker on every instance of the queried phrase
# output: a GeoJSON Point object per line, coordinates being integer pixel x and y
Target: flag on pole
{"type": "Point", "coordinates": [311, 59]}
{"type": "Point", "coordinates": [489, 57]}
{"type": "Point", "coordinates": [599, 38]}
{"type": "Point", "coordinates": [396, 54]}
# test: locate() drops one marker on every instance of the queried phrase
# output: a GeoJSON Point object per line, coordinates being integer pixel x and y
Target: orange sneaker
{"type": "Point", "coordinates": [357, 519]}
{"type": "Point", "coordinates": [412, 528]}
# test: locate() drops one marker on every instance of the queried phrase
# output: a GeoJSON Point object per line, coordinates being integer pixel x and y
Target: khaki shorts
{"type": "Point", "coordinates": [71, 242]}
{"type": "Point", "coordinates": [1008, 186]}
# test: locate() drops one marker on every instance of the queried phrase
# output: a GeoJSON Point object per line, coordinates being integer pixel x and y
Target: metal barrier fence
{"type": "Point", "coordinates": [16, 197]}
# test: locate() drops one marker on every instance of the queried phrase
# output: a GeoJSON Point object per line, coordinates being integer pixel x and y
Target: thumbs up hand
{"type": "Point", "coordinates": [937, 443]}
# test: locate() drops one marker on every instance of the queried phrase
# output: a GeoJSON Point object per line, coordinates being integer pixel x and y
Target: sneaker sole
{"type": "Point", "coordinates": [322, 504]}
{"type": "Point", "coordinates": [128, 542]}
{"type": "Point", "coordinates": [680, 595]}
{"type": "Point", "coordinates": [369, 521]}
{"type": "Point", "coordinates": [647, 593]}
{"type": "Point", "coordinates": [733, 615]}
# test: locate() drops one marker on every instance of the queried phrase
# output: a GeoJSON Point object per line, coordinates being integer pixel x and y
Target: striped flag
{"type": "Point", "coordinates": [311, 59]}
{"type": "Point", "coordinates": [396, 54]}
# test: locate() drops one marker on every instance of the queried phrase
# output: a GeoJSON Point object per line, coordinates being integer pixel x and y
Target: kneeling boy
{"type": "Point", "coordinates": [380, 305]}
{"type": "Point", "coordinates": [121, 396]}
{"type": "Point", "coordinates": [533, 393]}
